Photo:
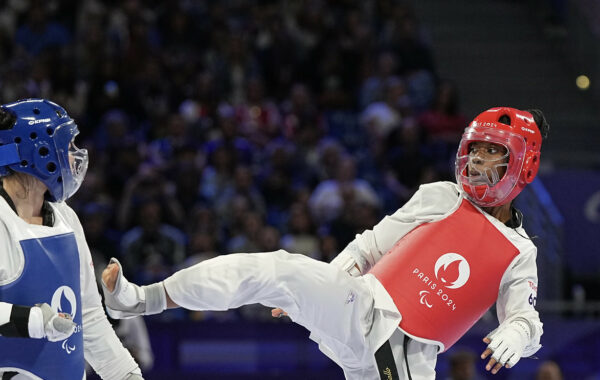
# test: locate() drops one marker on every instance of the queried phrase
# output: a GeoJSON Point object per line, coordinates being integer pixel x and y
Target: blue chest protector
{"type": "Point", "coordinates": [51, 275]}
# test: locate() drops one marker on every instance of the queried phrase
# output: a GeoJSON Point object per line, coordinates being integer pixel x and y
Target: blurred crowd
{"type": "Point", "coordinates": [235, 126]}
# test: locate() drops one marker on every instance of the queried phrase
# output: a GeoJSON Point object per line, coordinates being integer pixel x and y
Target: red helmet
{"type": "Point", "coordinates": [519, 134]}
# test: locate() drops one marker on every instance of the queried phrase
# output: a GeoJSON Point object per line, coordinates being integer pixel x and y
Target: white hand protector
{"type": "Point", "coordinates": [53, 326]}
{"type": "Point", "coordinates": [128, 300]}
{"type": "Point", "coordinates": [508, 343]}
{"type": "Point", "coordinates": [346, 260]}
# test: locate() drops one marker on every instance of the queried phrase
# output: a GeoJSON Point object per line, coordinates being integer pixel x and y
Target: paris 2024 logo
{"type": "Point", "coordinates": [451, 271]}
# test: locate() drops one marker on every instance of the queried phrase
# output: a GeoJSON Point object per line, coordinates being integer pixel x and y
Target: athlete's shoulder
{"type": "Point", "coordinates": [442, 191]}
{"type": "Point", "coordinates": [62, 207]}
{"type": "Point", "coordinates": [63, 210]}
{"type": "Point", "coordinates": [8, 218]}
{"type": "Point", "coordinates": [431, 201]}
{"type": "Point", "coordinates": [4, 232]}
{"type": "Point", "coordinates": [523, 241]}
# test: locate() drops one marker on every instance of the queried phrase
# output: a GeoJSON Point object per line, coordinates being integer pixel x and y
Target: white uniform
{"type": "Point", "coordinates": [102, 349]}
{"type": "Point", "coordinates": [351, 317]}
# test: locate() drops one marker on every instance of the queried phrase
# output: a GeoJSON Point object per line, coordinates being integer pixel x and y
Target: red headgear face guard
{"type": "Point", "coordinates": [522, 140]}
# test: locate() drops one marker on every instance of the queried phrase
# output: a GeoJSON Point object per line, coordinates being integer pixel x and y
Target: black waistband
{"type": "Point", "coordinates": [385, 362]}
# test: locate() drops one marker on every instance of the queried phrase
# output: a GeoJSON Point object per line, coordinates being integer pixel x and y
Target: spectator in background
{"type": "Point", "coordinates": [258, 117]}
{"type": "Point", "coordinates": [276, 179]}
{"type": "Point", "coordinates": [356, 216]}
{"type": "Point", "coordinates": [247, 237]}
{"type": "Point", "coordinates": [218, 174]}
{"type": "Point", "coordinates": [102, 240]}
{"type": "Point", "coordinates": [332, 80]}
{"type": "Point", "coordinates": [115, 130]}
{"type": "Point", "coordinates": [329, 154]}
{"type": "Point", "coordinates": [381, 117]}
{"type": "Point", "coordinates": [299, 110]}
{"type": "Point", "coordinates": [331, 196]}
{"type": "Point", "coordinates": [243, 186]}
{"type": "Point", "coordinates": [228, 135]}
{"type": "Point", "coordinates": [301, 233]}
{"type": "Point", "coordinates": [269, 239]}
{"type": "Point", "coordinates": [444, 122]}
{"type": "Point", "coordinates": [408, 163]}
{"type": "Point", "coordinates": [202, 247]}
{"type": "Point", "coordinates": [152, 248]}
{"type": "Point", "coordinates": [203, 221]}
{"type": "Point", "coordinates": [421, 84]}
{"type": "Point", "coordinates": [329, 247]}
{"type": "Point", "coordinates": [149, 184]}
{"type": "Point", "coordinates": [403, 34]}
{"type": "Point", "coordinates": [185, 172]}
{"type": "Point", "coordinates": [170, 136]}
{"type": "Point", "coordinates": [39, 34]}
{"type": "Point", "coordinates": [372, 89]}
{"type": "Point", "coordinates": [94, 191]}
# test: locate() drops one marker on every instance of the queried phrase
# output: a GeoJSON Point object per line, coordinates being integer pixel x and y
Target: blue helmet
{"type": "Point", "coordinates": [40, 143]}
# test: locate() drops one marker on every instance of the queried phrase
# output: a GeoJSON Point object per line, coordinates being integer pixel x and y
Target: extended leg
{"type": "Point", "coordinates": [325, 300]}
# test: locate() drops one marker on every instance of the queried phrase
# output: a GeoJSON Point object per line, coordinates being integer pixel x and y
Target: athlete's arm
{"type": "Point", "coordinates": [517, 299]}
{"type": "Point", "coordinates": [127, 300]}
{"type": "Point", "coordinates": [429, 203]}
{"type": "Point", "coordinates": [38, 322]}
{"type": "Point", "coordinates": [102, 348]}
{"type": "Point", "coordinates": [520, 327]}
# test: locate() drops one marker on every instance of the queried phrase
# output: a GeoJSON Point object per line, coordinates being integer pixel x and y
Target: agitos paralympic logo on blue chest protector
{"type": "Point", "coordinates": [51, 275]}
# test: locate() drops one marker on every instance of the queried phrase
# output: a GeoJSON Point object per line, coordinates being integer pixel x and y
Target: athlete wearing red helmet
{"type": "Point", "coordinates": [492, 179]}
{"type": "Point", "coordinates": [405, 290]}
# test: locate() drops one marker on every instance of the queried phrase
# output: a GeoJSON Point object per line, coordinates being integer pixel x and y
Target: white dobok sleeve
{"type": "Point", "coordinates": [102, 348]}
{"type": "Point", "coordinates": [432, 201]}
{"type": "Point", "coordinates": [517, 297]}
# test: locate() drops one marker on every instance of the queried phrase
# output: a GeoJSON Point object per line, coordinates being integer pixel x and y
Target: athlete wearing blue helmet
{"type": "Point", "coordinates": [49, 301]}
{"type": "Point", "coordinates": [41, 143]}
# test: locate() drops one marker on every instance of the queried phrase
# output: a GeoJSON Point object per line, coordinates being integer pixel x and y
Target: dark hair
{"type": "Point", "coordinates": [540, 121]}
{"type": "Point", "coordinates": [7, 119]}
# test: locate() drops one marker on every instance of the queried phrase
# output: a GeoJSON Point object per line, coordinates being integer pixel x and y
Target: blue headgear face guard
{"type": "Point", "coordinates": [41, 143]}
{"type": "Point", "coordinates": [73, 162]}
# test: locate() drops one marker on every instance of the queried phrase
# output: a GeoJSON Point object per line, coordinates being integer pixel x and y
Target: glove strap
{"type": "Point", "coordinates": [523, 327]}
{"type": "Point", "coordinates": [18, 324]}
{"type": "Point", "coordinates": [156, 298]}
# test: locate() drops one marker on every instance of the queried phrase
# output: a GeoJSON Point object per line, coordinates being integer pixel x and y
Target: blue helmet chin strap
{"type": "Point", "coordinates": [8, 156]}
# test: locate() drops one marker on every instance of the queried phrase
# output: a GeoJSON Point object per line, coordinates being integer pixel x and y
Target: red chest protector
{"type": "Point", "coordinates": [443, 276]}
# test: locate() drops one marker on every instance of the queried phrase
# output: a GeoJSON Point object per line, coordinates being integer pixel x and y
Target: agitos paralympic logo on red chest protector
{"type": "Point", "coordinates": [444, 275]}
